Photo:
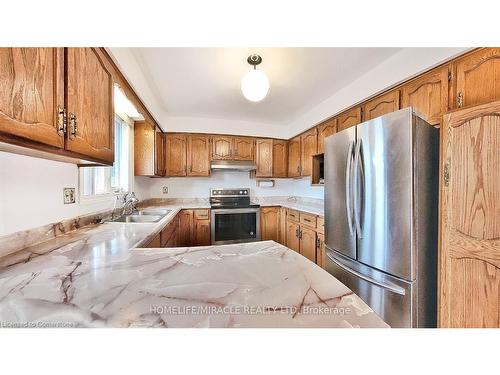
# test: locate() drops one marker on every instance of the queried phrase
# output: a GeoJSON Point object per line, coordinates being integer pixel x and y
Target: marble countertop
{"type": "Point", "coordinates": [97, 281]}
{"type": "Point", "coordinates": [309, 208]}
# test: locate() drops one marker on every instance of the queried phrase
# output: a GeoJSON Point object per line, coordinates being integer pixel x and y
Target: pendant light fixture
{"type": "Point", "coordinates": [255, 84]}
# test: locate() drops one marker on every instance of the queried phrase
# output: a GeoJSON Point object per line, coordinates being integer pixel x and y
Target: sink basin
{"type": "Point", "coordinates": [153, 211]}
{"type": "Point", "coordinates": [138, 219]}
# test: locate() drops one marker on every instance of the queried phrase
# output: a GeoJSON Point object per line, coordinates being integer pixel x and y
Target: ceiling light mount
{"type": "Point", "coordinates": [254, 60]}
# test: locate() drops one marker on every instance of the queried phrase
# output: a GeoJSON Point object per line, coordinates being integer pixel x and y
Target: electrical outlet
{"type": "Point", "coordinates": [69, 195]}
{"type": "Point", "coordinates": [165, 190]}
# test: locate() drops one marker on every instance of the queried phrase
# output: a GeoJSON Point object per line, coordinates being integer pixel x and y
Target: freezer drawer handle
{"type": "Point", "coordinates": [392, 288]}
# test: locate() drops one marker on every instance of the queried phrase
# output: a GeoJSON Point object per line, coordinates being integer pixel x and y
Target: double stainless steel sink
{"type": "Point", "coordinates": [148, 215]}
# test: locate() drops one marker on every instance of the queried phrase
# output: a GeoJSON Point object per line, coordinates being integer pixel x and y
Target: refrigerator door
{"type": "Point", "coordinates": [339, 215]}
{"type": "Point", "coordinates": [391, 298]}
{"type": "Point", "coordinates": [383, 193]}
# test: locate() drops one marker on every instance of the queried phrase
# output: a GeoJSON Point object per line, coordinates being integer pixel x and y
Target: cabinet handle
{"type": "Point", "coordinates": [309, 221]}
{"type": "Point", "coordinates": [460, 100]}
{"type": "Point", "coordinates": [73, 125]}
{"type": "Point", "coordinates": [446, 174]}
{"type": "Point", "coordinates": [318, 244]}
{"type": "Point", "coordinates": [298, 169]}
{"type": "Point", "coordinates": [62, 120]}
{"type": "Point", "coordinates": [297, 232]}
{"type": "Point", "coordinates": [300, 234]}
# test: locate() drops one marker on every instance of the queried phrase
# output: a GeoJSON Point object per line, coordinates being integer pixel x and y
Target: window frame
{"type": "Point", "coordinates": [89, 199]}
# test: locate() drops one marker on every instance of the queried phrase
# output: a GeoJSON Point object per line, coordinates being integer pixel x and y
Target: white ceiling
{"type": "Point", "coordinates": [205, 82]}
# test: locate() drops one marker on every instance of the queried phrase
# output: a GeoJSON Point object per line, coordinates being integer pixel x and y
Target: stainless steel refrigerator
{"type": "Point", "coordinates": [381, 210]}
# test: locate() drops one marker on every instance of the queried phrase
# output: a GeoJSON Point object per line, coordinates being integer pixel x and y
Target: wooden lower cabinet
{"type": "Point", "coordinates": [469, 259]}
{"type": "Point", "coordinates": [282, 226]}
{"type": "Point", "coordinates": [320, 250]}
{"type": "Point", "coordinates": [185, 236]}
{"type": "Point", "coordinates": [269, 223]}
{"type": "Point", "coordinates": [201, 232]}
{"type": "Point", "coordinates": [292, 235]}
{"type": "Point", "coordinates": [307, 238]}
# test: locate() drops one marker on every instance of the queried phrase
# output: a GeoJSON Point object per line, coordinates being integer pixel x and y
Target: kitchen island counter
{"type": "Point", "coordinates": [260, 284]}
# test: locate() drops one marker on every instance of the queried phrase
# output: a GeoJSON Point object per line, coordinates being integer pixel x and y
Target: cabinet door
{"type": "Point", "coordinates": [350, 118]}
{"type": "Point", "coordinates": [89, 103]}
{"type": "Point", "coordinates": [325, 129]}
{"type": "Point", "coordinates": [198, 155]}
{"type": "Point", "coordinates": [31, 93]}
{"type": "Point", "coordinates": [144, 148]}
{"type": "Point", "coordinates": [264, 158]}
{"type": "Point", "coordinates": [201, 232]}
{"type": "Point", "coordinates": [469, 268]}
{"type": "Point", "coordinates": [269, 223]}
{"type": "Point", "coordinates": [282, 226]}
{"type": "Point", "coordinates": [308, 147]}
{"type": "Point", "coordinates": [243, 148]}
{"type": "Point", "coordinates": [176, 155]}
{"type": "Point", "coordinates": [185, 228]}
{"type": "Point", "coordinates": [222, 147]}
{"type": "Point", "coordinates": [292, 236]}
{"type": "Point", "coordinates": [428, 94]}
{"type": "Point", "coordinates": [160, 153]}
{"type": "Point", "coordinates": [320, 250]}
{"type": "Point", "coordinates": [478, 78]}
{"type": "Point", "coordinates": [294, 157]}
{"type": "Point", "coordinates": [381, 105]}
{"type": "Point", "coordinates": [308, 243]}
{"type": "Point", "coordinates": [280, 158]}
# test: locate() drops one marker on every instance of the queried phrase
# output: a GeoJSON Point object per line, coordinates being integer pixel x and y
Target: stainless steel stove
{"type": "Point", "coordinates": [233, 218]}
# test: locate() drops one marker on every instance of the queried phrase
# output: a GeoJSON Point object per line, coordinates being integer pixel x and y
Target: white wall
{"type": "Point", "coordinates": [222, 126]}
{"type": "Point", "coordinates": [407, 63]}
{"type": "Point", "coordinates": [198, 187]}
{"type": "Point", "coordinates": [31, 193]}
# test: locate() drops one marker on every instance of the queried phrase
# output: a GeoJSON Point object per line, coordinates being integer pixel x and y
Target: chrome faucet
{"type": "Point", "coordinates": [129, 203]}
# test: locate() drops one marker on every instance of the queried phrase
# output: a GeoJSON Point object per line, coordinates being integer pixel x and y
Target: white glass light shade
{"type": "Point", "coordinates": [255, 85]}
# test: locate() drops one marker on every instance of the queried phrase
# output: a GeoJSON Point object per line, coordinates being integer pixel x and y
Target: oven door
{"type": "Point", "coordinates": [234, 225]}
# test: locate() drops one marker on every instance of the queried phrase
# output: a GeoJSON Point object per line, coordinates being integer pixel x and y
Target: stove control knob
{"type": "Point", "coordinates": [241, 192]}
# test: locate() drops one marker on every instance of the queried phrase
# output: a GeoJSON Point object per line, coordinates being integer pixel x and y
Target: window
{"type": "Point", "coordinates": [100, 181]}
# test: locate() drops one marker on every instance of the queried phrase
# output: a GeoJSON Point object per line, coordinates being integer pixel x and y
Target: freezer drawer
{"type": "Point", "coordinates": [391, 298]}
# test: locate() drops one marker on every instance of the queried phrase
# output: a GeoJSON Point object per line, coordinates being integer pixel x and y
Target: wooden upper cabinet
{"type": "Point", "coordinates": [428, 94]}
{"type": "Point", "coordinates": [269, 223]}
{"type": "Point", "coordinates": [89, 104]}
{"type": "Point", "coordinates": [176, 149]}
{"type": "Point", "coordinates": [325, 129]}
{"type": "Point", "coordinates": [478, 78]}
{"type": "Point", "coordinates": [264, 157]}
{"type": "Point", "coordinates": [350, 118]}
{"type": "Point", "coordinates": [469, 267]}
{"type": "Point", "coordinates": [308, 148]}
{"type": "Point", "coordinates": [198, 155]}
{"type": "Point", "coordinates": [31, 92]}
{"type": "Point", "coordinates": [145, 143]}
{"type": "Point", "coordinates": [243, 148]}
{"type": "Point", "coordinates": [222, 147]}
{"type": "Point", "coordinates": [160, 153]}
{"type": "Point", "coordinates": [381, 105]}
{"type": "Point", "coordinates": [294, 157]}
{"type": "Point", "coordinates": [280, 158]}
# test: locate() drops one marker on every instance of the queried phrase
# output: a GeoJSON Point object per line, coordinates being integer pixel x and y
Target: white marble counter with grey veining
{"type": "Point", "coordinates": [260, 284]}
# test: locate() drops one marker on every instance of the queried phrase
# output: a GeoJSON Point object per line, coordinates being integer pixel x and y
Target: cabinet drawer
{"type": "Point", "coordinates": [293, 215]}
{"type": "Point", "coordinates": [202, 214]}
{"type": "Point", "coordinates": [320, 226]}
{"type": "Point", "coordinates": [308, 220]}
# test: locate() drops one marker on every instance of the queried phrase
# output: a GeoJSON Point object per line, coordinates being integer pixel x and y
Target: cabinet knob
{"type": "Point", "coordinates": [73, 125]}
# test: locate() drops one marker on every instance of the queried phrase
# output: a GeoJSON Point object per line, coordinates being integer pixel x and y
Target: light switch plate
{"type": "Point", "coordinates": [69, 195]}
{"type": "Point", "coordinates": [165, 190]}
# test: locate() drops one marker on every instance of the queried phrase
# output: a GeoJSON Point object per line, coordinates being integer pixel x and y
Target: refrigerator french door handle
{"type": "Point", "coordinates": [348, 189]}
{"type": "Point", "coordinates": [391, 287]}
{"type": "Point", "coordinates": [357, 157]}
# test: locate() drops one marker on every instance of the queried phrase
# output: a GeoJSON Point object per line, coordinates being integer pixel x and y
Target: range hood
{"type": "Point", "coordinates": [233, 165]}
